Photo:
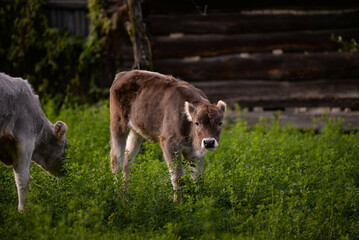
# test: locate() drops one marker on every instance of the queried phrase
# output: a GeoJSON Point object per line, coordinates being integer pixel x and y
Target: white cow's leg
{"type": "Point", "coordinates": [133, 144]}
{"type": "Point", "coordinates": [173, 159]}
{"type": "Point", "coordinates": [22, 174]}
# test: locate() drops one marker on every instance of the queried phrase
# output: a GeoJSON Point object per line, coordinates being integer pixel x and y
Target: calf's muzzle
{"type": "Point", "coordinates": [209, 143]}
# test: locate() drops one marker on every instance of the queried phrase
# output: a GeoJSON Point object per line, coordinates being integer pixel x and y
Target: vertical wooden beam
{"type": "Point", "coordinates": [137, 31]}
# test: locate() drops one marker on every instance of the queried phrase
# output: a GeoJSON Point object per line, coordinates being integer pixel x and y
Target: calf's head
{"type": "Point", "coordinates": [50, 152]}
{"type": "Point", "coordinates": [206, 120]}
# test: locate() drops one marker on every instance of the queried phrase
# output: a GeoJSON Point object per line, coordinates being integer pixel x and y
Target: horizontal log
{"type": "Point", "coordinates": [302, 120]}
{"type": "Point", "coordinates": [274, 94]}
{"type": "Point", "coordinates": [287, 66]}
{"type": "Point", "coordinates": [211, 45]}
{"type": "Point", "coordinates": [253, 23]}
{"type": "Point", "coordinates": [210, 6]}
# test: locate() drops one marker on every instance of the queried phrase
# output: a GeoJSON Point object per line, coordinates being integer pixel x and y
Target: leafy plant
{"type": "Point", "coordinates": [55, 62]}
{"type": "Point", "coordinates": [351, 45]}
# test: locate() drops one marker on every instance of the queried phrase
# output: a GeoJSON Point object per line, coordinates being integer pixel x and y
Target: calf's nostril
{"type": "Point", "coordinates": [209, 143]}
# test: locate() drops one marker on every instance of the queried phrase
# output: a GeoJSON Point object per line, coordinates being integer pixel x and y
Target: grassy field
{"type": "Point", "coordinates": [265, 182]}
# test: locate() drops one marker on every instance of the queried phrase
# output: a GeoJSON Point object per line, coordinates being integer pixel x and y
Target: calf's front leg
{"type": "Point", "coordinates": [172, 156]}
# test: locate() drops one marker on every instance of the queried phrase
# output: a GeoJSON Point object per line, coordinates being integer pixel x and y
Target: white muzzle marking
{"type": "Point", "coordinates": [209, 144]}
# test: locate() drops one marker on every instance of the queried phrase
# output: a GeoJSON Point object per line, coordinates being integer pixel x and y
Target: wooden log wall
{"type": "Point", "coordinates": [258, 54]}
{"type": "Point", "coordinates": [262, 58]}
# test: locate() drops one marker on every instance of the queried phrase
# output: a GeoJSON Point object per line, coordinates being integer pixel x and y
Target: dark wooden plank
{"type": "Point", "coordinates": [59, 18]}
{"type": "Point", "coordinates": [254, 23]}
{"type": "Point", "coordinates": [55, 18]}
{"type": "Point", "coordinates": [287, 66]}
{"type": "Point", "coordinates": [81, 26]}
{"type": "Point", "coordinates": [78, 22]}
{"type": "Point", "coordinates": [51, 18]}
{"type": "Point", "coordinates": [87, 24]}
{"type": "Point", "coordinates": [70, 21]}
{"type": "Point", "coordinates": [274, 94]}
{"type": "Point", "coordinates": [211, 45]}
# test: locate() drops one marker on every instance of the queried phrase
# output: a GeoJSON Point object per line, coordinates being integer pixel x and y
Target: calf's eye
{"type": "Point", "coordinates": [197, 124]}
{"type": "Point", "coordinates": [220, 124]}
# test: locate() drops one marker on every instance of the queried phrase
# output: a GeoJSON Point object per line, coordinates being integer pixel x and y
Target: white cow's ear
{"type": "Point", "coordinates": [189, 109]}
{"type": "Point", "coordinates": [222, 105]}
{"type": "Point", "coordinates": [60, 130]}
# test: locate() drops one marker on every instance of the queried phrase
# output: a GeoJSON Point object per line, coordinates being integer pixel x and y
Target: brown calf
{"type": "Point", "coordinates": [162, 108]}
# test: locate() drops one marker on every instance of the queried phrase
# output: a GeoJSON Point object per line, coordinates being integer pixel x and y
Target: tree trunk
{"type": "Point", "coordinates": [137, 31]}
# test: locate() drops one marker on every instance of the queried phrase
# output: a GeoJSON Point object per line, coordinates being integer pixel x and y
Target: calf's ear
{"type": "Point", "coordinates": [189, 109]}
{"type": "Point", "coordinates": [59, 130]}
{"type": "Point", "coordinates": [222, 105]}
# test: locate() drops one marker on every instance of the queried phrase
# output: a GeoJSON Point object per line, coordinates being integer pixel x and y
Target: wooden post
{"type": "Point", "coordinates": [137, 31]}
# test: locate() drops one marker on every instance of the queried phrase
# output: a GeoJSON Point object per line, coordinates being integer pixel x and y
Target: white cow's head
{"type": "Point", "coordinates": [51, 149]}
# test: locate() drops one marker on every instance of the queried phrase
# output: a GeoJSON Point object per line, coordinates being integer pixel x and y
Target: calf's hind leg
{"type": "Point", "coordinates": [118, 145]}
{"type": "Point", "coordinates": [133, 143]}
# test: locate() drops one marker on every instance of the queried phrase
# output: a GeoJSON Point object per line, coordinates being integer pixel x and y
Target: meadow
{"type": "Point", "coordinates": [264, 182]}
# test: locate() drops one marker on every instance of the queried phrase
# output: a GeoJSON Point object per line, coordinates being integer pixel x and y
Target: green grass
{"type": "Point", "coordinates": [265, 182]}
